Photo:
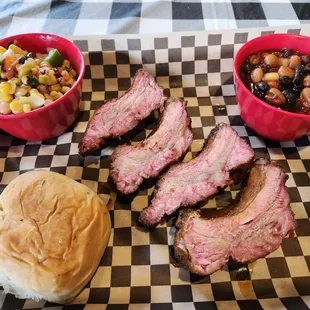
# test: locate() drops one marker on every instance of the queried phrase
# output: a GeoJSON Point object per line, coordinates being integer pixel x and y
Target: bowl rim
{"type": "Point", "coordinates": [247, 91]}
{"type": "Point", "coordinates": [59, 100]}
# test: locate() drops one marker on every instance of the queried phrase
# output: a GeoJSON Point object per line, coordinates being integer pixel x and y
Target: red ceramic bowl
{"type": "Point", "coordinates": [51, 120]}
{"type": "Point", "coordinates": [264, 119]}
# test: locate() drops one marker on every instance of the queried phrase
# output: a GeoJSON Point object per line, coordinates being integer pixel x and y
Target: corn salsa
{"type": "Point", "coordinates": [31, 80]}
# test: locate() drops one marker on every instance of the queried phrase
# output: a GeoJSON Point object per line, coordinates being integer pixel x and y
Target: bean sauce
{"type": "Point", "coordinates": [279, 77]}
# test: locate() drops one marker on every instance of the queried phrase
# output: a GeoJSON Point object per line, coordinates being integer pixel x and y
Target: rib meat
{"type": "Point", "coordinates": [118, 116]}
{"type": "Point", "coordinates": [250, 229]}
{"type": "Point", "coordinates": [167, 144]}
{"type": "Point", "coordinates": [224, 159]}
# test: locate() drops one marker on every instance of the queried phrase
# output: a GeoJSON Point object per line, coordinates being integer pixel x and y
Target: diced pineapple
{"type": "Point", "coordinates": [56, 94]}
{"type": "Point", "coordinates": [48, 101]}
{"type": "Point", "coordinates": [5, 54]}
{"type": "Point", "coordinates": [66, 63]}
{"type": "Point", "coordinates": [33, 91]}
{"type": "Point", "coordinates": [17, 50]}
{"type": "Point", "coordinates": [5, 89]}
{"type": "Point", "coordinates": [26, 108]}
{"type": "Point", "coordinates": [37, 100]}
{"type": "Point", "coordinates": [2, 50]}
{"type": "Point", "coordinates": [13, 88]}
{"type": "Point", "coordinates": [65, 89]}
{"type": "Point", "coordinates": [14, 80]}
{"type": "Point", "coordinates": [56, 87]}
{"type": "Point", "coordinates": [24, 70]}
{"type": "Point", "coordinates": [13, 83]}
{"type": "Point", "coordinates": [72, 73]}
{"type": "Point", "coordinates": [5, 107]}
{"type": "Point", "coordinates": [22, 90]}
{"type": "Point", "coordinates": [24, 100]}
{"type": "Point", "coordinates": [16, 107]}
{"type": "Point", "coordinates": [31, 61]}
{"type": "Point", "coordinates": [52, 78]}
{"type": "Point", "coordinates": [43, 79]}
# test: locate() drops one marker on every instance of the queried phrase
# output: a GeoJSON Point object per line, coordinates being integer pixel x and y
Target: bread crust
{"type": "Point", "coordinates": [53, 233]}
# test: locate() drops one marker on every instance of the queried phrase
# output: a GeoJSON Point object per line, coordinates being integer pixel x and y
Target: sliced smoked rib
{"type": "Point", "coordinates": [224, 158]}
{"type": "Point", "coordinates": [166, 144]}
{"type": "Point", "coordinates": [120, 115]}
{"type": "Point", "coordinates": [250, 229]}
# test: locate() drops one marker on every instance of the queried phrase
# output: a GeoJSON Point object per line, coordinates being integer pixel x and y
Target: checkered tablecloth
{"type": "Point", "coordinates": [136, 271]}
{"type": "Point", "coordinates": [100, 17]}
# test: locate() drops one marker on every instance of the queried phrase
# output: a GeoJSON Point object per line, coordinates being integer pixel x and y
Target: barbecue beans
{"type": "Point", "coordinates": [262, 87]}
{"type": "Point", "coordinates": [294, 61]}
{"type": "Point", "coordinates": [284, 62]}
{"type": "Point", "coordinates": [273, 84]}
{"type": "Point", "coordinates": [286, 71]}
{"type": "Point", "coordinates": [280, 78]}
{"type": "Point", "coordinates": [304, 104]}
{"type": "Point", "coordinates": [257, 75]}
{"type": "Point", "coordinates": [255, 59]}
{"type": "Point", "coordinates": [305, 59]}
{"type": "Point", "coordinates": [297, 89]}
{"type": "Point", "coordinates": [307, 69]}
{"type": "Point", "coordinates": [287, 52]}
{"type": "Point", "coordinates": [285, 82]}
{"type": "Point", "coordinates": [275, 97]}
{"type": "Point", "coordinates": [264, 54]}
{"type": "Point", "coordinates": [305, 95]}
{"type": "Point", "coordinates": [271, 60]}
{"type": "Point", "coordinates": [246, 68]}
{"type": "Point", "coordinates": [271, 76]}
{"type": "Point", "coordinates": [290, 98]}
{"type": "Point", "coordinates": [298, 76]}
{"type": "Point", "coordinates": [307, 81]}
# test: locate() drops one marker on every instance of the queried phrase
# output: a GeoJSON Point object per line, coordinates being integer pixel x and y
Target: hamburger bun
{"type": "Point", "coordinates": [53, 233]}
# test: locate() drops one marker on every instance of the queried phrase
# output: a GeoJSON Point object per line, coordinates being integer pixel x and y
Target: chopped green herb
{"type": "Point", "coordinates": [32, 81]}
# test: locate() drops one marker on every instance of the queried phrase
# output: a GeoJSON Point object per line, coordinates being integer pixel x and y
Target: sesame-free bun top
{"type": "Point", "coordinates": [53, 232]}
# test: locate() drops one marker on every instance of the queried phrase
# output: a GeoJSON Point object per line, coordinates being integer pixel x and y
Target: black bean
{"type": "Point", "coordinates": [31, 55]}
{"type": "Point", "coordinates": [262, 87]}
{"type": "Point", "coordinates": [287, 52]}
{"type": "Point", "coordinates": [297, 89]}
{"type": "Point", "coordinates": [307, 69]}
{"type": "Point", "coordinates": [285, 82]}
{"type": "Point", "coordinates": [299, 75]}
{"type": "Point", "coordinates": [21, 60]}
{"type": "Point", "coordinates": [290, 97]}
{"type": "Point", "coordinates": [300, 69]}
{"type": "Point", "coordinates": [305, 59]}
{"type": "Point", "coordinates": [58, 74]}
{"type": "Point", "coordinates": [246, 68]}
{"type": "Point", "coordinates": [290, 100]}
{"type": "Point", "coordinates": [259, 94]}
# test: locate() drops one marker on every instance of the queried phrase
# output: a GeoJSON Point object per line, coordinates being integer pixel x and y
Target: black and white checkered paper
{"type": "Point", "coordinates": [136, 271]}
{"type": "Point", "coordinates": [100, 17]}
